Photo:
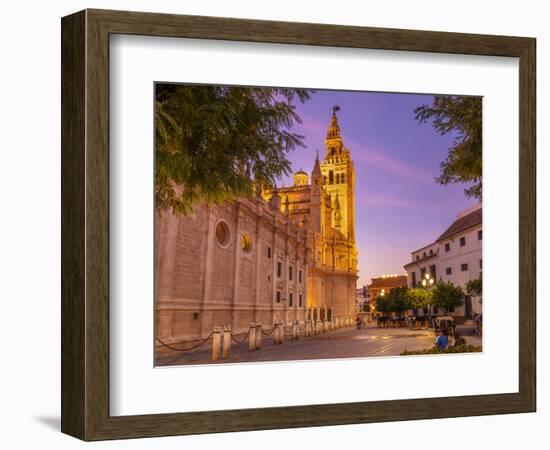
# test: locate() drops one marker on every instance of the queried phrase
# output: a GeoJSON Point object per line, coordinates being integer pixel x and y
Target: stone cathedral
{"type": "Point", "coordinates": [286, 254]}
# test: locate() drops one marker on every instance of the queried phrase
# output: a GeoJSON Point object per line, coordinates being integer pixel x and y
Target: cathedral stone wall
{"type": "Point", "coordinates": [287, 255]}
{"type": "Point", "coordinates": [202, 282]}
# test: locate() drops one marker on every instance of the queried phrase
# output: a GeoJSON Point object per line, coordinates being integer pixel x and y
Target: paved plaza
{"type": "Point", "coordinates": [343, 343]}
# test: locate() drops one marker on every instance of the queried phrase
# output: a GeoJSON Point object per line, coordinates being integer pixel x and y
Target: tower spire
{"type": "Point", "coordinates": [316, 166]}
{"type": "Point", "coordinates": [334, 129]}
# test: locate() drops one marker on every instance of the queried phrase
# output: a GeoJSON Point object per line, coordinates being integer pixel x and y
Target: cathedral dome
{"type": "Point", "coordinates": [301, 178]}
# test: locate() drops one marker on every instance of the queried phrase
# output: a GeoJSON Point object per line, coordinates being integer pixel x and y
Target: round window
{"type": "Point", "coordinates": [222, 234]}
{"type": "Point", "coordinates": [246, 243]}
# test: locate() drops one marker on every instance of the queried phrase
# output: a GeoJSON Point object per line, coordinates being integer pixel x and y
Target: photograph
{"type": "Point", "coordinates": [296, 224]}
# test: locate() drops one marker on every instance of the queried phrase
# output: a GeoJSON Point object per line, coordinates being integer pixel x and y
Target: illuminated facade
{"type": "Point", "coordinates": [382, 285]}
{"type": "Point", "coordinates": [324, 208]}
{"type": "Point", "coordinates": [286, 254]}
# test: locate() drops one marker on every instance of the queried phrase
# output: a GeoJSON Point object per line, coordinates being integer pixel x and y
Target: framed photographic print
{"type": "Point", "coordinates": [272, 225]}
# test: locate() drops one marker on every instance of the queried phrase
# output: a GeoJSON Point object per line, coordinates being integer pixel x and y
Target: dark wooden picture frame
{"type": "Point", "coordinates": [85, 224]}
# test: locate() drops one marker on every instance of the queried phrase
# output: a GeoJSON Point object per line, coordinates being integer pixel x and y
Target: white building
{"type": "Point", "coordinates": [361, 297]}
{"type": "Point", "coordinates": [455, 256]}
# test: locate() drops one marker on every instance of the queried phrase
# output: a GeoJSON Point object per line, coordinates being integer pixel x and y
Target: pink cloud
{"type": "Point", "coordinates": [369, 156]}
{"type": "Point", "coordinates": [381, 161]}
{"type": "Point", "coordinates": [388, 201]}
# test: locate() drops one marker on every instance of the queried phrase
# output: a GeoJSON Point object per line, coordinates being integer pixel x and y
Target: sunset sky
{"type": "Point", "coordinates": [399, 207]}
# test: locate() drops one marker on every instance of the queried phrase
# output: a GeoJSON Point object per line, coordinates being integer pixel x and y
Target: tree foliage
{"type": "Point", "coordinates": [461, 116]}
{"type": "Point", "coordinates": [475, 287]}
{"type": "Point", "coordinates": [398, 300]}
{"type": "Point", "coordinates": [383, 304]}
{"type": "Point", "coordinates": [447, 296]}
{"type": "Point", "coordinates": [214, 142]}
{"type": "Point", "coordinates": [393, 301]}
{"type": "Point", "coordinates": [418, 298]}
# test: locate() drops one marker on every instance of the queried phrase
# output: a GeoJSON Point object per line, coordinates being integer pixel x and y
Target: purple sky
{"type": "Point", "coordinates": [398, 205]}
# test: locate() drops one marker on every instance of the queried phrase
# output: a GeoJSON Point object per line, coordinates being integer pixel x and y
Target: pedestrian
{"type": "Point", "coordinates": [442, 341]}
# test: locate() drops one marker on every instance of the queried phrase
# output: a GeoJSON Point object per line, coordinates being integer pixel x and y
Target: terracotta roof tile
{"type": "Point", "coordinates": [461, 224]}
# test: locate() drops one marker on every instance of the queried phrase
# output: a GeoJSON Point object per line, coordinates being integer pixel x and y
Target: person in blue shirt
{"type": "Point", "coordinates": [442, 341]}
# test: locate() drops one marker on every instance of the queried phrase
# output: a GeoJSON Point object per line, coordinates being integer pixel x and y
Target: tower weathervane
{"type": "Point", "coordinates": [335, 108]}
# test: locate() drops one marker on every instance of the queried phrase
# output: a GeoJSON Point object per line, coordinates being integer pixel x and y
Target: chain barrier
{"type": "Point", "coordinates": [288, 331]}
{"type": "Point", "coordinates": [171, 347]}
{"type": "Point", "coordinates": [268, 333]}
{"type": "Point", "coordinates": [236, 341]}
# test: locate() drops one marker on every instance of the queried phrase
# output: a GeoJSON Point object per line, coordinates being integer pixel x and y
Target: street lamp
{"type": "Point", "coordinates": [427, 281]}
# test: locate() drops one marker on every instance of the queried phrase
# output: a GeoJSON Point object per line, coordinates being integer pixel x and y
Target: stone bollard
{"type": "Point", "coordinates": [281, 332]}
{"type": "Point", "coordinates": [276, 333]}
{"type": "Point", "coordinates": [226, 341]}
{"type": "Point", "coordinates": [216, 343]}
{"type": "Point", "coordinates": [252, 337]}
{"type": "Point", "coordinates": [259, 336]}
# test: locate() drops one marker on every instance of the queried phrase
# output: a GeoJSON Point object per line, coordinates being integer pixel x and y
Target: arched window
{"type": "Point", "coordinates": [337, 178]}
{"type": "Point", "coordinates": [331, 177]}
{"type": "Point", "coordinates": [342, 178]}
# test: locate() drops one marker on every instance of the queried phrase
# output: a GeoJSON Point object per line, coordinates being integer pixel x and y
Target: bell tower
{"type": "Point", "coordinates": [339, 178]}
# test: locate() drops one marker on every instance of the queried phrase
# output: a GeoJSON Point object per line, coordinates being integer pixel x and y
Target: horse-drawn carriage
{"type": "Point", "coordinates": [447, 324]}
{"type": "Point", "coordinates": [394, 322]}
{"type": "Point", "coordinates": [419, 322]}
